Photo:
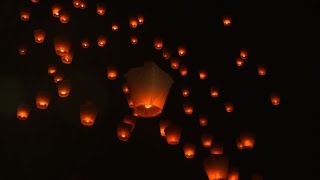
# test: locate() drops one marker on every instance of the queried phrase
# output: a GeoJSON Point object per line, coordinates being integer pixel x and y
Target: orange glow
{"type": "Point", "coordinates": [125, 88]}
{"type": "Point", "coordinates": [229, 107]}
{"type": "Point", "coordinates": [206, 139]}
{"type": "Point", "coordinates": [85, 43]}
{"type": "Point", "coordinates": [67, 58]}
{"type": "Point", "coordinates": [112, 72]}
{"type": "Point", "coordinates": [188, 108]}
{"type": "Point", "coordinates": [166, 53]}
{"type": "Point", "coordinates": [226, 21]}
{"type": "Point", "coordinates": [88, 114]}
{"type": "Point", "coordinates": [76, 3]}
{"type": "Point", "coordinates": [124, 131]}
{"type": "Point", "coordinates": [58, 76]}
{"type": "Point", "coordinates": [175, 63]}
{"type": "Point", "coordinates": [101, 8]}
{"type": "Point", "coordinates": [83, 4]}
{"type": "Point", "coordinates": [64, 16]}
{"type": "Point", "coordinates": [39, 35]}
{"type": "Point", "coordinates": [243, 53]}
{"type": "Point", "coordinates": [129, 119]}
{"type": "Point", "coordinates": [216, 167]}
{"type": "Point", "coordinates": [35, 1]}
{"type": "Point", "coordinates": [163, 125]}
{"type": "Point", "coordinates": [62, 45]}
{"type": "Point", "coordinates": [216, 148]}
{"type": "Point", "coordinates": [262, 70]}
{"type": "Point", "coordinates": [140, 19]}
{"type": "Point", "coordinates": [158, 43]}
{"type": "Point", "coordinates": [23, 111]}
{"type": "Point", "coordinates": [247, 140]}
{"type": "Point", "coordinates": [275, 99]}
{"type": "Point", "coordinates": [56, 8]}
{"type": "Point", "coordinates": [239, 144]}
{"type": "Point", "coordinates": [189, 150]}
{"type": "Point", "coordinates": [240, 62]}
{"type": "Point", "coordinates": [185, 92]}
{"type": "Point", "coordinates": [134, 40]}
{"type": "Point", "coordinates": [214, 91]}
{"type": "Point", "coordinates": [115, 27]}
{"type": "Point", "coordinates": [25, 14]}
{"type": "Point", "coordinates": [233, 174]}
{"type": "Point", "coordinates": [203, 119]}
{"type": "Point", "coordinates": [182, 50]}
{"type": "Point", "coordinates": [42, 100]}
{"type": "Point", "coordinates": [148, 106]}
{"type": "Point", "coordinates": [173, 134]}
{"type": "Point", "coordinates": [22, 49]}
{"type": "Point", "coordinates": [52, 68]}
{"type": "Point", "coordinates": [130, 103]}
{"type": "Point", "coordinates": [102, 40]}
{"type": "Point", "coordinates": [133, 22]}
{"type": "Point", "coordinates": [183, 70]}
{"type": "Point", "coordinates": [64, 88]}
{"type": "Point", "coordinates": [203, 74]}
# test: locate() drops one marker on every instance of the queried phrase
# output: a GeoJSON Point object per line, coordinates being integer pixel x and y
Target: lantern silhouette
{"type": "Point", "coordinates": [52, 68]}
{"type": "Point", "coordinates": [214, 91]}
{"type": "Point", "coordinates": [102, 40]}
{"type": "Point", "coordinates": [133, 40]}
{"type": "Point", "coordinates": [124, 131]}
{"type": "Point", "coordinates": [206, 139]}
{"type": "Point", "coordinates": [203, 74]}
{"type": "Point", "coordinates": [62, 45]}
{"type": "Point", "coordinates": [83, 4]}
{"type": "Point", "coordinates": [85, 43]}
{"type": "Point", "coordinates": [182, 50]}
{"type": "Point", "coordinates": [239, 144]}
{"type": "Point", "coordinates": [58, 76]}
{"type": "Point", "coordinates": [25, 14]}
{"type": "Point", "coordinates": [64, 16]}
{"type": "Point", "coordinates": [256, 177]}
{"type": "Point", "coordinates": [129, 119]}
{"type": "Point", "coordinates": [240, 62]}
{"type": "Point", "coordinates": [175, 63]}
{"type": "Point", "coordinates": [166, 53]}
{"type": "Point", "coordinates": [173, 134]}
{"type": "Point", "coordinates": [76, 3]}
{"type": "Point", "coordinates": [233, 174]}
{"type": "Point", "coordinates": [262, 70]}
{"type": "Point", "coordinates": [42, 100]}
{"type": "Point", "coordinates": [188, 108]}
{"type": "Point", "coordinates": [203, 119]}
{"type": "Point", "coordinates": [216, 148]}
{"type": "Point", "coordinates": [125, 88]}
{"type": "Point", "coordinates": [158, 43]}
{"type": "Point", "coordinates": [101, 8]}
{"type": "Point", "coordinates": [216, 167]}
{"type": "Point", "coordinates": [88, 114]}
{"type": "Point", "coordinates": [149, 87]}
{"type": "Point", "coordinates": [185, 91]}
{"type": "Point", "coordinates": [114, 27]}
{"type": "Point", "coordinates": [130, 102]}
{"type": "Point", "coordinates": [163, 124]}
{"type": "Point", "coordinates": [56, 8]}
{"type": "Point", "coordinates": [35, 1]}
{"type": "Point", "coordinates": [226, 21]}
{"type": "Point", "coordinates": [133, 22]}
{"type": "Point", "coordinates": [23, 111]}
{"type": "Point", "coordinates": [247, 140]}
{"type": "Point", "coordinates": [112, 72]}
{"type": "Point", "coordinates": [229, 107]}
{"type": "Point", "coordinates": [67, 58]}
{"type": "Point", "coordinates": [183, 70]}
{"type": "Point", "coordinates": [243, 54]}
{"type": "Point", "coordinates": [22, 49]}
{"type": "Point", "coordinates": [64, 88]}
{"type": "Point", "coordinates": [140, 19]}
{"type": "Point", "coordinates": [189, 150]}
{"type": "Point", "coordinates": [39, 35]}
{"type": "Point", "coordinates": [275, 99]}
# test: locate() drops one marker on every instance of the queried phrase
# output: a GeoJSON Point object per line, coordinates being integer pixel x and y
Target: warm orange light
{"type": "Point", "coordinates": [22, 49]}
{"type": "Point", "coordinates": [58, 76]}
{"type": "Point", "coordinates": [203, 119]}
{"type": "Point", "coordinates": [101, 8]}
{"type": "Point", "coordinates": [148, 106]}
{"type": "Point", "coordinates": [244, 53]}
{"type": "Point", "coordinates": [35, 1]}
{"type": "Point", "coordinates": [188, 108]}
{"type": "Point", "coordinates": [39, 35]}
{"type": "Point", "coordinates": [88, 114]}
{"type": "Point", "coordinates": [42, 100]}
{"type": "Point", "coordinates": [124, 131]}
{"type": "Point", "coordinates": [203, 74]}
{"type": "Point", "coordinates": [163, 124]}
{"type": "Point", "coordinates": [85, 43]}
{"type": "Point", "coordinates": [247, 140]}
{"type": "Point", "coordinates": [115, 27]}
{"type": "Point", "coordinates": [130, 102]}
{"type": "Point", "coordinates": [129, 119]}
{"type": "Point", "coordinates": [173, 134]}
{"type": "Point", "coordinates": [133, 22]}
{"type": "Point", "coordinates": [134, 40]}
{"type": "Point", "coordinates": [67, 58]}
{"type": "Point", "coordinates": [83, 4]}
{"type": "Point", "coordinates": [166, 53]}
{"type": "Point", "coordinates": [226, 21]}
{"type": "Point", "coordinates": [262, 70]}
{"type": "Point", "coordinates": [175, 63]}
{"type": "Point", "coordinates": [233, 174]}
{"type": "Point", "coordinates": [52, 68]}
{"type": "Point", "coordinates": [56, 8]}
{"type": "Point", "coordinates": [240, 62]}
{"type": "Point", "coordinates": [25, 14]}
{"type": "Point", "coordinates": [76, 3]}
{"type": "Point", "coordinates": [64, 88]}
{"type": "Point", "coordinates": [216, 148]}
{"type": "Point", "coordinates": [102, 40]}
{"type": "Point", "coordinates": [275, 99]}
{"type": "Point", "coordinates": [158, 43]}
{"type": "Point", "coordinates": [112, 72]}
{"type": "Point", "coordinates": [185, 91]}
{"type": "Point", "coordinates": [229, 107]}
{"type": "Point", "coordinates": [62, 45]}
{"type": "Point", "coordinates": [182, 50]}
{"type": "Point", "coordinates": [64, 16]}
{"type": "Point", "coordinates": [206, 139]}
{"type": "Point", "coordinates": [125, 88]}
{"type": "Point", "coordinates": [23, 111]}
{"type": "Point", "coordinates": [214, 91]}
{"type": "Point", "coordinates": [239, 144]}
{"type": "Point", "coordinates": [183, 70]}
{"type": "Point", "coordinates": [140, 18]}
{"type": "Point", "coordinates": [189, 150]}
{"type": "Point", "coordinates": [216, 167]}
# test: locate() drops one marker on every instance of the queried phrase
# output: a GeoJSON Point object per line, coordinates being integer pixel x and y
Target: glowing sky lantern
{"type": "Point", "coordinates": [52, 68]}
{"type": "Point", "coordinates": [158, 43]}
{"type": "Point", "coordinates": [102, 40]}
{"type": "Point", "coordinates": [183, 69]}
{"type": "Point", "coordinates": [76, 3]}
{"type": "Point", "coordinates": [23, 111]}
{"type": "Point", "coordinates": [182, 50]}
{"type": "Point", "coordinates": [166, 53]}
{"type": "Point", "coordinates": [203, 74]}
{"type": "Point", "coordinates": [25, 14]}
{"type": "Point", "coordinates": [39, 35]}
{"type": "Point", "coordinates": [203, 119]}
{"type": "Point", "coordinates": [112, 72]}
{"type": "Point", "coordinates": [214, 91]}
{"type": "Point", "coordinates": [188, 108]}
{"type": "Point", "coordinates": [233, 174]}
{"type": "Point", "coordinates": [163, 124]}
{"type": "Point", "coordinates": [206, 139]}
{"type": "Point", "coordinates": [275, 99]}
{"type": "Point", "coordinates": [85, 43]}
{"type": "Point", "coordinates": [62, 45]}
{"type": "Point", "coordinates": [43, 99]}
{"type": "Point", "coordinates": [175, 63]}
{"type": "Point", "coordinates": [67, 58]}
{"type": "Point", "coordinates": [125, 88]}
{"type": "Point", "coordinates": [133, 22]}
{"type": "Point", "coordinates": [134, 40]}
{"type": "Point", "coordinates": [64, 16]}
{"type": "Point", "coordinates": [216, 167]}
{"type": "Point", "coordinates": [101, 8]}
{"type": "Point", "coordinates": [56, 8]}
{"type": "Point", "coordinates": [247, 140]}
{"type": "Point", "coordinates": [229, 107]}
{"type": "Point", "coordinates": [189, 150]}
{"type": "Point", "coordinates": [227, 21]}
{"type": "Point", "coordinates": [58, 76]}
{"type": "Point", "coordinates": [114, 27]}
{"type": "Point", "coordinates": [22, 49]}
{"type": "Point", "coordinates": [88, 114]}
{"type": "Point", "coordinates": [140, 18]}
{"type": "Point", "coordinates": [64, 88]}
{"type": "Point", "coordinates": [173, 134]}
{"type": "Point", "coordinates": [244, 53]}
{"type": "Point", "coordinates": [35, 1]}
{"type": "Point", "coordinates": [124, 131]}
{"type": "Point", "coordinates": [216, 148]}
{"type": "Point", "coordinates": [185, 91]}
{"type": "Point", "coordinates": [83, 4]}
{"type": "Point", "coordinates": [262, 70]}
{"type": "Point", "coordinates": [240, 62]}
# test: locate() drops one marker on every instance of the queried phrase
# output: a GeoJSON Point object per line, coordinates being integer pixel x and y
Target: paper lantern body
{"type": "Point", "coordinates": [216, 167]}
{"type": "Point", "coordinates": [23, 111]}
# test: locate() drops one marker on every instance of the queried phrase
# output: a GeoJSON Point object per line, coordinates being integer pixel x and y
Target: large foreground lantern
{"type": "Point", "coordinates": [62, 45]}
{"type": "Point", "coordinates": [88, 114]}
{"type": "Point", "coordinates": [216, 167]}
{"type": "Point", "coordinates": [173, 134]}
{"type": "Point", "coordinates": [149, 87]}
{"type": "Point", "coordinates": [23, 111]}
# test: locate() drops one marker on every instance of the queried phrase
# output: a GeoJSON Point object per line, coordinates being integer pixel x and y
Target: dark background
{"type": "Point", "coordinates": [52, 143]}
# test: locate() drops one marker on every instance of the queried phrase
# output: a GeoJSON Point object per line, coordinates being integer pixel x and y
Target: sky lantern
{"type": "Point", "coordinates": [240, 62]}
{"type": "Point", "coordinates": [83, 4]}
{"type": "Point", "coordinates": [229, 107]}
{"type": "Point", "coordinates": [112, 72]}
{"type": "Point", "coordinates": [22, 49]}
{"type": "Point", "coordinates": [256, 177]}
{"type": "Point", "coordinates": [203, 74]}
{"type": "Point", "coordinates": [262, 70]}
{"type": "Point", "coordinates": [130, 102]}
{"type": "Point", "coordinates": [243, 53]}
{"type": "Point", "coordinates": [125, 88]}
{"type": "Point", "coordinates": [130, 119]}
{"type": "Point", "coordinates": [134, 40]}
{"type": "Point", "coordinates": [203, 119]}
{"type": "Point", "coordinates": [158, 43]}
{"type": "Point", "coordinates": [149, 87]}
{"type": "Point", "coordinates": [88, 114]}
{"type": "Point", "coordinates": [23, 111]}
{"type": "Point", "coordinates": [163, 124]}
{"type": "Point", "coordinates": [85, 43]}
{"type": "Point", "coordinates": [216, 167]}
{"type": "Point", "coordinates": [239, 144]}
{"type": "Point", "coordinates": [61, 45]}
{"type": "Point", "coordinates": [275, 99]}
{"type": "Point", "coordinates": [64, 16]}
{"type": "Point", "coordinates": [76, 3]}
{"type": "Point", "coordinates": [101, 8]}
{"type": "Point", "coordinates": [173, 134]}
{"type": "Point", "coordinates": [183, 70]}
{"type": "Point", "coordinates": [39, 35]}
{"type": "Point", "coordinates": [25, 14]}
{"type": "Point", "coordinates": [67, 58]}
{"type": "Point", "coordinates": [188, 108]}
{"type": "Point", "coordinates": [114, 27]}
{"type": "Point", "coordinates": [43, 99]}
{"type": "Point", "coordinates": [216, 148]}
{"type": "Point", "coordinates": [175, 63]}
{"type": "Point", "coordinates": [140, 19]}
{"type": "Point", "coordinates": [58, 76]}
{"type": "Point", "coordinates": [52, 68]}
{"type": "Point", "coordinates": [185, 91]}
{"type": "Point", "coordinates": [102, 40]}
{"type": "Point", "coordinates": [214, 91]}
{"type": "Point", "coordinates": [124, 131]}
{"type": "Point", "coordinates": [233, 174]}
{"type": "Point", "coordinates": [189, 150]}
{"type": "Point", "coordinates": [35, 1]}
{"type": "Point", "coordinates": [166, 53]}
{"type": "Point", "coordinates": [206, 139]}
{"type": "Point", "coordinates": [227, 21]}
{"type": "Point", "coordinates": [133, 22]}
{"type": "Point", "coordinates": [56, 8]}
{"type": "Point", "coordinates": [247, 140]}
{"type": "Point", "coordinates": [182, 50]}
{"type": "Point", "coordinates": [64, 88]}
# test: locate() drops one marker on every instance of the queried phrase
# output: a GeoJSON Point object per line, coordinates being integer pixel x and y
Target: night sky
{"type": "Point", "coordinates": [53, 144]}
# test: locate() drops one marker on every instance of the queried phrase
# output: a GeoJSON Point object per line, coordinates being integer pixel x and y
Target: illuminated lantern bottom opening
{"type": "Point", "coordinates": [147, 111]}
{"type": "Point", "coordinates": [87, 121]}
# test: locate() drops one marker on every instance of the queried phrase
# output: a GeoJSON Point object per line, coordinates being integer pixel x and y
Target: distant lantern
{"type": "Point", "coordinates": [206, 139]}
{"type": "Point", "coordinates": [76, 3]}
{"type": "Point", "coordinates": [62, 45]}
{"type": "Point", "coordinates": [85, 43]}
{"type": "Point", "coordinates": [88, 114]}
{"type": "Point", "coordinates": [203, 74]}
{"type": "Point", "coordinates": [183, 70]}
{"type": "Point", "coordinates": [112, 72]}
{"type": "Point", "coordinates": [233, 174]}
{"type": "Point", "coordinates": [140, 18]}
{"type": "Point", "coordinates": [216, 167]}
{"type": "Point", "coordinates": [25, 14]}
{"type": "Point", "coordinates": [83, 4]}
{"type": "Point", "coordinates": [64, 16]}
{"type": "Point", "coordinates": [175, 63]}
{"type": "Point", "coordinates": [240, 62]}
{"type": "Point", "coordinates": [203, 119]}
{"type": "Point", "coordinates": [56, 8]}
{"type": "Point", "coordinates": [239, 144]}
{"type": "Point", "coordinates": [102, 40]}
{"type": "Point", "coordinates": [23, 111]}
{"type": "Point", "coordinates": [229, 107]}
{"type": "Point", "coordinates": [134, 40]}
{"type": "Point", "coordinates": [39, 35]}
{"type": "Point", "coordinates": [35, 1]}
{"type": "Point", "coordinates": [188, 108]}
{"type": "Point", "coordinates": [149, 87]}
{"type": "Point", "coordinates": [173, 134]}
{"type": "Point", "coordinates": [42, 100]}
{"type": "Point", "coordinates": [256, 177]}
{"type": "Point", "coordinates": [216, 148]}
{"type": "Point", "coordinates": [243, 53]}
{"type": "Point", "coordinates": [262, 70]}
{"type": "Point", "coordinates": [101, 8]}
{"type": "Point", "coordinates": [185, 91]}
{"type": "Point", "coordinates": [67, 58]}
{"type": "Point", "coordinates": [22, 49]}
{"type": "Point", "coordinates": [125, 88]}
{"type": "Point", "coordinates": [58, 76]}
{"type": "Point", "coordinates": [227, 21]}
{"type": "Point", "coordinates": [182, 50]}
{"type": "Point", "coordinates": [64, 88]}
{"type": "Point", "coordinates": [130, 119]}
{"type": "Point", "coordinates": [52, 68]}
{"type": "Point", "coordinates": [130, 102]}
{"type": "Point", "coordinates": [124, 131]}
{"type": "Point", "coordinates": [275, 99]}
{"type": "Point", "coordinates": [163, 124]}
{"type": "Point", "coordinates": [158, 43]}
{"type": "Point", "coordinates": [133, 22]}
{"type": "Point", "coordinates": [247, 140]}
{"type": "Point", "coordinates": [214, 91]}
{"type": "Point", "coordinates": [166, 53]}
{"type": "Point", "coordinates": [114, 27]}
{"type": "Point", "coordinates": [189, 150]}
